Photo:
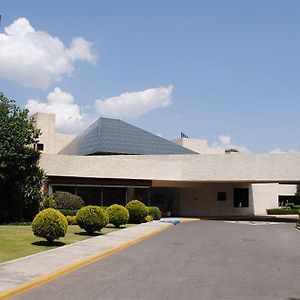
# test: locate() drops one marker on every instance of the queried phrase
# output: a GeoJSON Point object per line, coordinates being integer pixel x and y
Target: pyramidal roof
{"type": "Point", "coordinates": [113, 136]}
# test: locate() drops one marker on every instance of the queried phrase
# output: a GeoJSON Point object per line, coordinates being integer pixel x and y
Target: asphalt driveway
{"type": "Point", "coordinates": [197, 260]}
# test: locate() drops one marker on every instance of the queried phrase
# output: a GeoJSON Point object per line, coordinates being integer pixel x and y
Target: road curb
{"type": "Point", "coordinates": [75, 266]}
{"type": "Point", "coordinates": [185, 220]}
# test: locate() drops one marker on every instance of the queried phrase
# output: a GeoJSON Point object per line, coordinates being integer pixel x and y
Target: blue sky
{"type": "Point", "coordinates": [204, 68]}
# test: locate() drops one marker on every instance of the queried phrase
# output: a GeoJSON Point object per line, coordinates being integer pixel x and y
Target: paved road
{"type": "Point", "coordinates": [197, 260]}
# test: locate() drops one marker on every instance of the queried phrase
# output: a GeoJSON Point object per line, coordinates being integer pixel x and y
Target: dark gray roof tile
{"type": "Point", "coordinates": [113, 136]}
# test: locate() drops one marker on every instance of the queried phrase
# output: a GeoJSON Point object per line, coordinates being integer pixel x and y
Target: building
{"type": "Point", "coordinates": [114, 162]}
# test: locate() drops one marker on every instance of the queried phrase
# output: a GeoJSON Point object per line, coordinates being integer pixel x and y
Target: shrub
{"type": "Point", "coordinates": [69, 212]}
{"type": "Point", "coordinates": [47, 201]}
{"type": "Point", "coordinates": [92, 218]}
{"type": "Point", "coordinates": [282, 211]}
{"type": "Point", "coordinates": [118, 215]}
{"type": "Point", "coordinates": [155, 212]}
{"type": "Point", "coordinates": [148, 218]}
{"type": "Point", "coordinates": [71, 220]}
{"type": "Point", "coordinates": [50, 224]}
{"type": "Point", "coordinates": [21, 178]}
{"type": "Point", "coordinates": [137, 211]}
{"type": "Point", "coordinates": [65, 200]}
{"type": "Point", "coordinates": [290, 205]}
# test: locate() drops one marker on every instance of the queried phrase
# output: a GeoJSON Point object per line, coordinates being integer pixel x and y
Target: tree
{"type": "Point", "coordinates": [20, 175]}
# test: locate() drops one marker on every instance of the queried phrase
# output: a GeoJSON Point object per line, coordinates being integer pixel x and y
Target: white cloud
{"type": "Point", "coordinates": [277, 150]}
{"type": "Point", "coordinates": [35, 58]}
{"type": "Point", "coordinates": [225, 142]}
{"type": "Point", "coordinates": [134, 104]}
{"type": "Point", "coordinates": [69, 117]}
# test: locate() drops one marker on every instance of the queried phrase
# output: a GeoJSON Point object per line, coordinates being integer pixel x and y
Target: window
{"type": "Point", "coordinates": [241, 197]}
{"type": "Point", "coordinates": [63, 188]}
{"type": "Point", "coordinates": [285, 200]}
{"type": "Point", "coordinates": [40, 147]}
{"type": "Point", "coordinates": [221, 196]}
{"type": "Point", "coordinates": [90, 195]}
{"type": "Point", "coordinates": [141, 194]}
{"type": "Point", "coordinates": [114, 195]}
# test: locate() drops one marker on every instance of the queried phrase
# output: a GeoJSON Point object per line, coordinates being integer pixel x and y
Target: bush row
{"type": "Point", "coordinates": [62, 201]}
{"type": "Point", "coordinates": [52, 224]}
{"type": "Point", "coordinates": [282, 211]}
{"type": "Point", "coordinates": [69, 204]}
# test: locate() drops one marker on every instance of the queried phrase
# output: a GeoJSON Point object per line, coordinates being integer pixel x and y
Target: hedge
{"type": "Point", "coordinates": [137, 211]}
{"type": "Point", "coordinates": [148, 218]}
{"type": "Point", "coordinates": [49, 224]}
{"type": "Point", "coordinates": [282, 211]}
{"type": "Point", "coordinates": [118, 215]}
{"type": "Point", "coordinates": [92, 218]}
{"type": "Point", "coordinates": [65, 200]}
{"type": "Point", "coordinates": [155, 212]}
{"type": "Point", "coordinates": [69, 212]}
{"type": "Point", "coordinates": [71, 220]}
{"type": "Point", "coordinates": [73, 212]}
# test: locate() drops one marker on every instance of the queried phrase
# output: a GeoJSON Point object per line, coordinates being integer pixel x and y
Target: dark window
{"type": "Point", "coordinates": [90, 195]}
{"type": "Point", "coordinates": [141, 194]}
{"type": "Point", "coordinates": [40, 147]}
{"type": "Point", "coordinates": [63, 188]}
{"type": "Point", "coordinates": [241, 197]}
{"type": "Point", "coordinates": [221, 196]}
{"type": "Point", "coordinates": [114, 195]}
{"type": "Point", "coordinates": [285, 200]}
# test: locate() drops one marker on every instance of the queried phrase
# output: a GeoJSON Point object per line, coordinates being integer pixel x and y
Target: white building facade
{"type": "Point", "coordinates": [185, 184]}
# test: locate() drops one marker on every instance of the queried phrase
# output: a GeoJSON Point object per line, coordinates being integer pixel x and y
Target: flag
{"type": "Point", "coordinates": [183, 135]}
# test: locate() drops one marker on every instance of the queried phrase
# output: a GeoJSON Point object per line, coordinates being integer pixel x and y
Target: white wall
{"type": "Point", "coordinates": [202, 201]}
{"type": "Point", "coordinates": [199, 146]}
{"type": "Point", "coordinates": [53, 142]}
{"type": "Point", "coordinates": [265, 195]}
{"type": "Point", "coordinates": [188, 168]}
{"type": "Point", "coordinates": [62, 140]}
{"type": "Point", "coordinates": [287, 189]}
{"type": "Point", "coordinates": [46, 123]}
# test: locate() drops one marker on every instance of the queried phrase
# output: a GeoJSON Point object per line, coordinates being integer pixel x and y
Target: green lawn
{"type": "Point", "coordinates": [18, 241]}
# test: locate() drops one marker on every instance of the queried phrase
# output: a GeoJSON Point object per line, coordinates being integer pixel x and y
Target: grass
{"type": "Point", "coordinates": [17, 241]}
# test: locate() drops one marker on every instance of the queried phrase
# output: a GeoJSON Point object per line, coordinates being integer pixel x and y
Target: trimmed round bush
{"type": "Point", "coordinates": [71, 220]}
{"type": "Point", "coordinates": [148, 218]}
{"type": "Point", "coordinates": [137, 211]}
{"type": "Point", "coordinates": [65, 200]}
{"type": "Point", "coordinates": [118, 215]}
{"type": "Point", "coordinates": [155, 212]}
{"type": "Point", "coordinates": [92, 218]}
{"type": "Point", "coordinates": [49, 224]}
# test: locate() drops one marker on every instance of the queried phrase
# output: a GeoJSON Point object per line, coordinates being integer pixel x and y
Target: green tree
{"type": "Point", "coordinates": [20, 175]}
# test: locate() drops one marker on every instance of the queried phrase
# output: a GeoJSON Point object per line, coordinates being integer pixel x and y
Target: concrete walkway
{"type": "Point", "coordinates": [19, 272]}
